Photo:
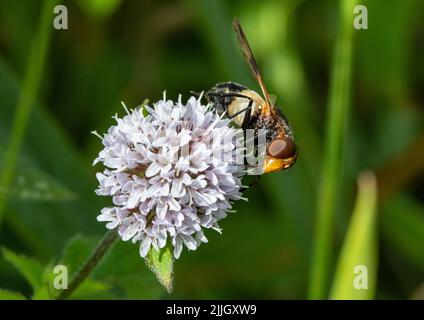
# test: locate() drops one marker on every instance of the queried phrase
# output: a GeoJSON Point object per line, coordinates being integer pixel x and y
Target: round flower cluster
{"type": "Point", "coordinates": [171, 173]}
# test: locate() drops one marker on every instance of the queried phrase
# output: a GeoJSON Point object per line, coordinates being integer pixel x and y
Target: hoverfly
{"type": "Point", "coordinates": [249, 110]}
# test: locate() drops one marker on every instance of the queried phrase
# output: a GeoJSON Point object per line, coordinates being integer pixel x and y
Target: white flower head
{"type": "Point", "coordinates": [171, 174]}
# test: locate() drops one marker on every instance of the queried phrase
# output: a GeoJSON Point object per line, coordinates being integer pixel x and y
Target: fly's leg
{"type": "Point", "coordinates": [253, 183]}
{"type": "Point", "coordinates": [195, 93]}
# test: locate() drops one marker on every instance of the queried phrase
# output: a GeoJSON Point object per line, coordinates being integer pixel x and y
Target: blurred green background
{"type": "Point", "coordinates": [131, 50]}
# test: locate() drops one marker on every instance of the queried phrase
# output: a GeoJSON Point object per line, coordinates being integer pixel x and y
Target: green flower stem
{"type": "Point", "coordinates": [91, 263]}
{"type": "Point", "coordinates": [28, 95]}
{"type": "Point", "coordinates": [333, 152]}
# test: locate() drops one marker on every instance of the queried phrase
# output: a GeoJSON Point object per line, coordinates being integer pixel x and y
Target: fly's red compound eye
{"type": "Point", "coordinates": [282, 148]}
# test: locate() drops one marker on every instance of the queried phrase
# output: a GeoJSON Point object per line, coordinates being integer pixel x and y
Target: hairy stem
{"type": "Point", "coordinates": [91, 263]}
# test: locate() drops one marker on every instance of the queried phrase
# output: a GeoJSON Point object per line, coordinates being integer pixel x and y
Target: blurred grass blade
{"type": "Point", "coordinates": [219, 36]}
{"type": "Point", "coordinates": [285, 70]}
{"type": "Point", "coordinates": [333, 152]}
{"type": "Point", "coordinates": [42, 293]}
{"type": "Point", "coordinates": [27, 98]}
{"type": "Point", "coordinates": [358, 257]}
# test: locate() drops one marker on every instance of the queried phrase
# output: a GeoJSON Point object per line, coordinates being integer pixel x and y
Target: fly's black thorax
{"type": "Point", "coordinates": [240, 103]}
{"type": "Point", "coordinates": [219, 97]}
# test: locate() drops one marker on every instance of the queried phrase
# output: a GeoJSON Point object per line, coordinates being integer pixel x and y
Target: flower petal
{"type": "Point", "coordinates": [153, 169]}
{"type": "Point", "coordinates": [145, 246]}
{"type": "Point", "coordinates": [178, 247]}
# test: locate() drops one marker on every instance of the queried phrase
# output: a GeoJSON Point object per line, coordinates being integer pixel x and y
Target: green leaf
{"type": "Point", "coordinates": [91, 288]}
{"type": "Point", "coordinates": [162, 265]}
{"type": "Point", "coordinates": [76, 251]}
{"type": "Point", "coordinates": [29, 268]}
{"type": "Point", "coordinates": [125, 269]}
{"type": "Point", "coordinates": [35, 185]}
{"type": "Point", "coordinates": [360, 246]}
{"type": "Point", "coordinates": [43, 293]}
{"type": "Point", "coordinates": [11, 295]}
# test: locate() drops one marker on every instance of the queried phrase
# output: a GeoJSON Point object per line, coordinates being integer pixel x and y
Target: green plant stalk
{"type": "Point", "coordinates": [87, 268]}
{"type": "Point", "coordinates": [27, 98]}
{"type": "Point", "coordinates": [360, 246]}
{"type": "Point", "coordinates": [333, 153]}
